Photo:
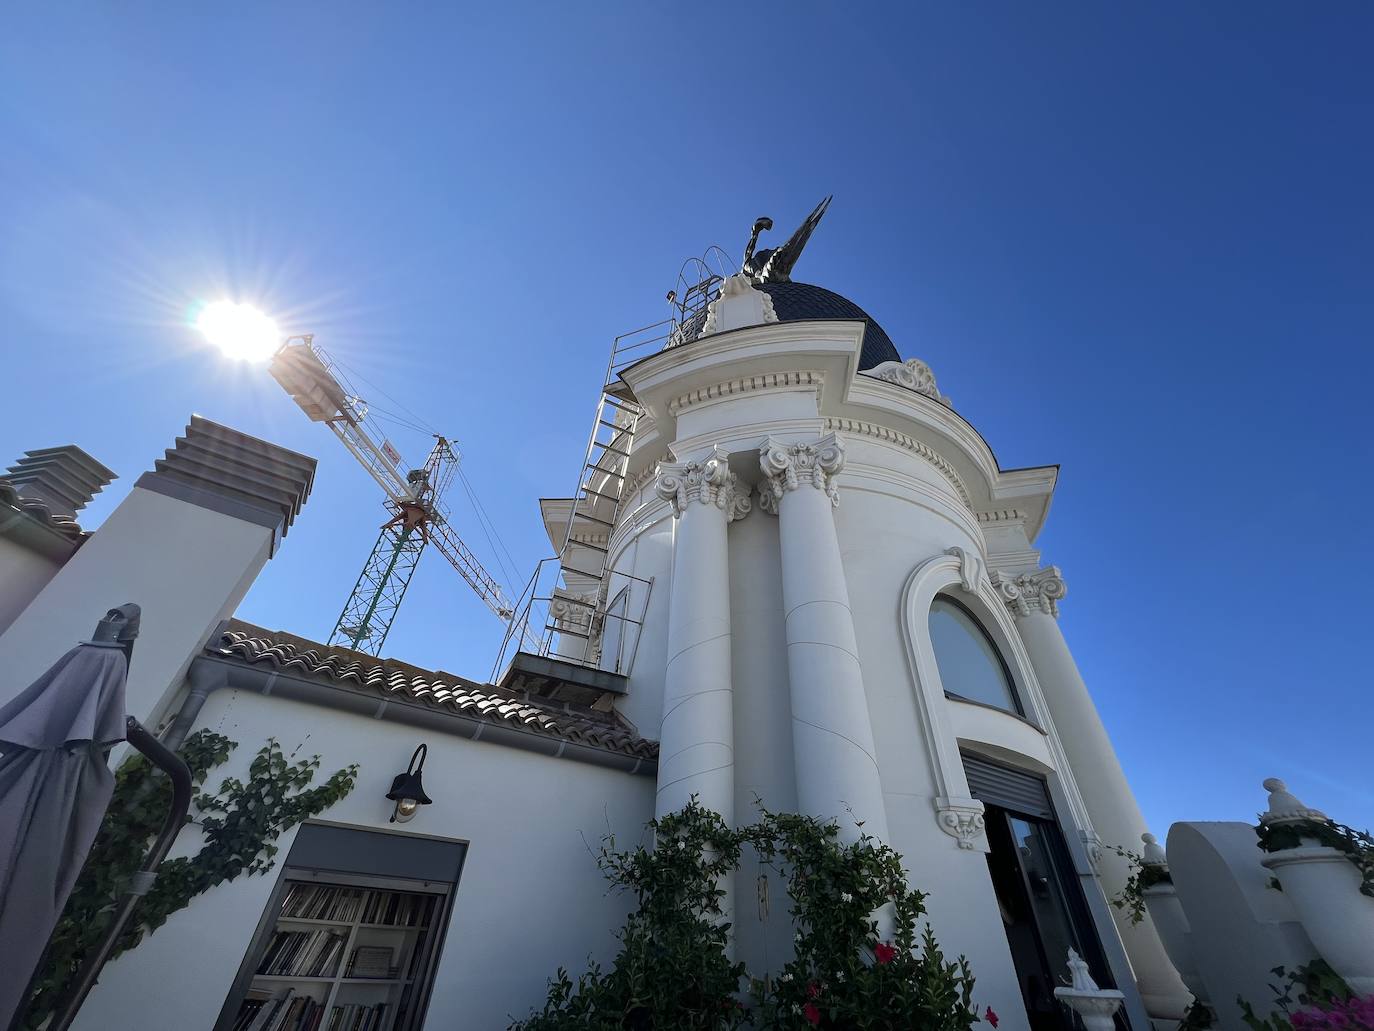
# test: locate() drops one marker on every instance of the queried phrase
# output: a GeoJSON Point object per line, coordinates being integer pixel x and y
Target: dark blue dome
{"type": "Point", "coordinates": [802, 302]}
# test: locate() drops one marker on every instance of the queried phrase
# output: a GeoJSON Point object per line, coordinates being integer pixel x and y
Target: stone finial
{"type": "Point", "coordinates": [62, 479]}
{"type": "Point", "coordinates": [1284, 806]}
{"type": "Point", "coordinates": [1153, 853]}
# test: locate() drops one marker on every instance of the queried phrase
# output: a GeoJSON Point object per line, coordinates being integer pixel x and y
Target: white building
{"type": "Point", "coordinates": [818, 588]}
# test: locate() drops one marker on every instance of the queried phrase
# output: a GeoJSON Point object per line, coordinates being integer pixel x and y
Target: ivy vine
{"type": "Point", "coordinates": [1131, 898]}
{"type": "Point", "coordinates": [1356, 846]}
{"type": "Point", "coordinates": [240, 822]}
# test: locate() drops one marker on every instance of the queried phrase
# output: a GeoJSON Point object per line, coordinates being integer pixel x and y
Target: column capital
{"type": "Point", "coordinates": [789, 466]}
{"type": "Point", "coordinates": [708, 481]}
{"type": "Point", "coordinates": [1036, 591]}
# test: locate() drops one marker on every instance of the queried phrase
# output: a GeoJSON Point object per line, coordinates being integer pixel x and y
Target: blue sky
{"type": "Point", "coordinates": [1136, 242]}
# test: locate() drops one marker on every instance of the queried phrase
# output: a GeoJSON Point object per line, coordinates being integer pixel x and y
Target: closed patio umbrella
{"type": "Point", "coordinates": [54, 786]}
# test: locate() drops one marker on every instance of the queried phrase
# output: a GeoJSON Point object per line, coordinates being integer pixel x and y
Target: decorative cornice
{"type": "Point", "coordinates": [913, 374]}
{"type": "Point", "coordinates": [1038, 591]}
{"type": "Point", "coordinates": [789, 466]}
{"type": "Point", "coordinates": [962, 819]}
{"type": "Point", "coordinates": [745, 385]}
{"type": "Point", "coordinates": [902, 440]}
{"type": "Point", "coordinates": [709, 481]}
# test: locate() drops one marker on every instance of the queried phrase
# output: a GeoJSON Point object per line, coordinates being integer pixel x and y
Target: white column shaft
{"type": "Point", "coordinates": [696, 740]}
{"type": "Point", "coordinates": [1106, 795]}
{"type": "Point", "coordinates": [836, 760]}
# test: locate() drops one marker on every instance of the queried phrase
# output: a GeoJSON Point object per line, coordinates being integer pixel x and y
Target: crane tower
{"type": "Point", "coordinates": [413, 500]}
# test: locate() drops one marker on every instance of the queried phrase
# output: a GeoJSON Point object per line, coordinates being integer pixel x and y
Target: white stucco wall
{"type": "Point", "coordinates": [530, 898]}
{"type": "Point", "coordinates": [23, 573]}
{"type": "Point", "coordinates": [186, 566]}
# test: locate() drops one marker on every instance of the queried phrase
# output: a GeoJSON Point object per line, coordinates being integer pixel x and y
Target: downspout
{"type": "Point", "coordinates": [204, 678]}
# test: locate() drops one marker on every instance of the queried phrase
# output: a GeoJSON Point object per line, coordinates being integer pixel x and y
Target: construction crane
{"type": "Point", "coordinates": [414, 499]}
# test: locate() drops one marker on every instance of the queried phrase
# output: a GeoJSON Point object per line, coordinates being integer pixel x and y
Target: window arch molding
{"type": "Point", "coordinates": [960, 574]}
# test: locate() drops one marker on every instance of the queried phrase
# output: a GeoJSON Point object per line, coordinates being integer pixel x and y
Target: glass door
{"type": "Point", "coordinates": [1043, 910]}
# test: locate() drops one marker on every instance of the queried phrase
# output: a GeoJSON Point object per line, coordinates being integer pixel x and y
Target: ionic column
{"type": "Point", "coordinates": [1033, 599]}
{"type": "Point", "coordinates": [696, 740]}
{"type": "Point", "coordinates": [836, 762]}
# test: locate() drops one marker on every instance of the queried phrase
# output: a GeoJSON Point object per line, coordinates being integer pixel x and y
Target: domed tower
{"type": "Point", "coordinates": [840, 612]}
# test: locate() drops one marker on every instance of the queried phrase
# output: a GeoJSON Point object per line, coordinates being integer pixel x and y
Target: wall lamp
{"type": "Point", "coordinates": [407, 791]}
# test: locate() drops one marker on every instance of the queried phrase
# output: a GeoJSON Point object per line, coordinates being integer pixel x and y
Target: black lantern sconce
{"type": "Point", "coordinates": [407, 791]}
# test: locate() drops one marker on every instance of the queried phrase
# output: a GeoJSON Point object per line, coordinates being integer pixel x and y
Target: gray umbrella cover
{"type": "Point", "coordinates": [54, 787]}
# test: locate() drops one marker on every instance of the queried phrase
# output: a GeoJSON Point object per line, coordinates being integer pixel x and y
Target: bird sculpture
{"type": "Point", "coordinates": [774, 264]}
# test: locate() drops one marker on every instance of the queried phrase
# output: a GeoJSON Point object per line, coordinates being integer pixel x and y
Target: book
{"type": "Point", "coordinates": [372, 961]}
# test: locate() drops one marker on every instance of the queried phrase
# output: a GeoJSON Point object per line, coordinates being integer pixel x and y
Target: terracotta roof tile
{"type": "Point", "coordinates": [36, 510]}
{"type": "Point", "coordinates": [283, 651]}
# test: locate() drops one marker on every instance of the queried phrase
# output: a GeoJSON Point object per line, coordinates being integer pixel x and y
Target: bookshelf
{"type": "Point", "coordinates": [338, 954]}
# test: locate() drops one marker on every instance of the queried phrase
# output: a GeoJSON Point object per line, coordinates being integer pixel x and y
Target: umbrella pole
{"type": "Point", "coordinates": [89, 970]}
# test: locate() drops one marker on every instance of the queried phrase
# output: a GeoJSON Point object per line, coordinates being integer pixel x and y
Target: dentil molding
{"type": "Point", "coordinates": [787, 467]}
{"type": "Point", "coordinates": [746, 385]}
{"type": "Point", "coordinates": [708, 481]}
{"type": "Point", "coordinates": [1037, 591]}
{"type": "Point", "coordinates": [902, 440]}
{"type": "Point", "coordinates": [962, 819]}
{"type": "Point", "coordinates": [913, 374]}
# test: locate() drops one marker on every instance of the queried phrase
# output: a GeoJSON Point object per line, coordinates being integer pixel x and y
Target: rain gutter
{"type": "Point", "coordinates": [210, 673]}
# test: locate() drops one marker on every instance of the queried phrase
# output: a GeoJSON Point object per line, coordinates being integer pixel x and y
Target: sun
{"type": "Point", "coordinates": [239, 330]}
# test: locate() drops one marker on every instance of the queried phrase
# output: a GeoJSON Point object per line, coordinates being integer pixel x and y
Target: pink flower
{"type": "Point", "coordinates": [991, 1018]}
{"type": "Point", "coordinates": [811, 1013]}
{"type": "Point", "coordinates": [885, 954]}
{"type": "Point", "coordinates": [813, 990]}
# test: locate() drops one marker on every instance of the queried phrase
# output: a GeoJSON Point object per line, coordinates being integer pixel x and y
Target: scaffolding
{"type": "Point", "coordinates": [576, 607]}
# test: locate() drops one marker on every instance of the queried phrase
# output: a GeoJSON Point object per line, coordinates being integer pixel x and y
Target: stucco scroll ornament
{"type": "Point", "coordinates": [970, 568]}
{"type": "Point", "coordinates": [1025, 593]}
{"type": "Point", "coordinates": [913, 374]}
{"type": "Point", "coordinates": [789, 466]}
{"type": "Point", "coordinates": [708, 481]}
{"type": "Point", "coordinates": [962, 819]}
{"type": "Point", "coordinates": [749, 307]}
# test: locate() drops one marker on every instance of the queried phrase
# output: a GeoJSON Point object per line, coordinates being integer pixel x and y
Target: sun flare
{"type": "Point", "coordinates": [239, 330]}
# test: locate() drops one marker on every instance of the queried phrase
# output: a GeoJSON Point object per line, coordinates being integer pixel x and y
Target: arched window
{"type": "Point", "coordinates": [970, 665]}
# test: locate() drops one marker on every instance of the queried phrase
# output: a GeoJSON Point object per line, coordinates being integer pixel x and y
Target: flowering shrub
{"type": "Point", "coordinates": [853, 969]}
{"type": "Point", "coordinates": [672, 970]}
{"type": "Point", "coordinates": [1327, 1003]}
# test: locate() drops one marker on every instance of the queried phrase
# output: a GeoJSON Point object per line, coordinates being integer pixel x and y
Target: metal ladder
{"type": "Point", "coordinates": [584, 555]}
